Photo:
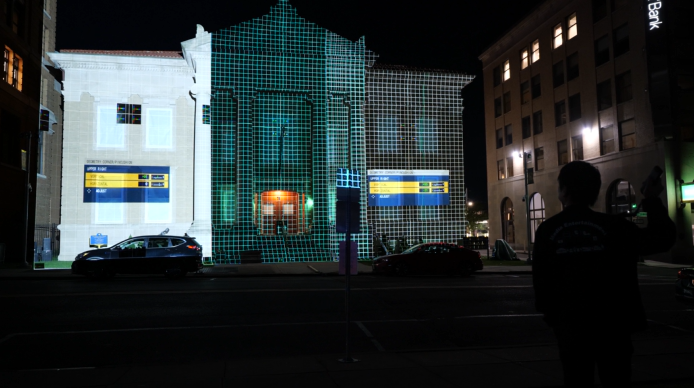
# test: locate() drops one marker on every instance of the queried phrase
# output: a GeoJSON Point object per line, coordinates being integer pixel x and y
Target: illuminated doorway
{"type": "Point", "coordinates": [280, 212]}
{"type": "Point", "coordinates": [508, 231]}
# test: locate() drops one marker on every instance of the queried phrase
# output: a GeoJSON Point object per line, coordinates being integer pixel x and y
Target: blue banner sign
{"type": "Point", "coordinates": [408, 188]}
{"type": "Point", "coordinates": [118, 184]}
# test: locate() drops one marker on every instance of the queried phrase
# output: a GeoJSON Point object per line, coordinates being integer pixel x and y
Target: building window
{"type": "Point", "coordinates": [108, 132]}
{"type": "Point", "coordinates": [525, 125]}
{"type": "Point", "coordinates": [558, 39]}
{"type": "Point", "coordinates": [507, 71]}
{"type": "Point", "coordinates": [509, 166]}
{"type": "Point", "coordinates": [507, 102]}
{"type": "Point", "coordinates": [577, 147]}
{"type": "Point", "coordinates": [108, 213]}
{"type": "Point", "coordinates": [537, 122]}
{"type": "Point", "coordinates": [562, 152]}
{"type": "Point", "coordinates": [599, 10]}
{"type": "Point", "coordinates": [572, 66]}
{"type": "Point", "coordinates": [427, 135]}
{"type": "Point", "coordinates": [621, 40]}
{"type": "Point", "coordinates": [559, 113]}
{"type": "Point", "coordinates": [387, 133]}
{"type": "Point", "coordinates": [621, 197]}
{"type": "Point", "coordinates": [13, 69]}
{"type": "Point", "coordinates": [524, 58]}
{"type": "Point", "coordinates": [575, 107]}
{"type": "Point", "coordinates": [537, 213]}
{"type": "Point", "coordinates": [497, 107]}
{"type": "Point", "coordinates": [573, 26]}
{"type": "Point", "coordinates": [536, 51]}
{"type": "Point", "coordinates": [539, 159]}
{"type": "Point", "coordinates": [604, 95]}
{"type": "Point", "coordinates": [624, 92]}
{"type": "Point", "coordinates": [606, 140]}
{"type": "Point", "coordinates": [627, 134]}
{"type": "Point", "coordinates": [525, 92]}
{"type": "Point", "coordinates": [501, 170]}
{"type": "Point", "coordinates": [558, 74]}
{"type": "Point", "coordinates": [496, 76]}
{"type": "Point", "coordinates": [159, 130]}
{"type": "Point", "coordinates": [44, 120]}
{"type": "Point", "coordinates": [129, 114]}
{"type": "Point", "coordinates": [499, 138]}
{"type": "Point", "coordinates": [602, 50]}
{"type": "Point", "coordinates": [206, 114]}
{"type": "Point", "coordinates": [508, 130]}
{"type": "Point", "coordinates": [536, 87]}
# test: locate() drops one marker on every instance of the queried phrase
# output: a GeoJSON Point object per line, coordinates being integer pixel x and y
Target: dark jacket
{"type": "Point", "coordinates": [584, 265]}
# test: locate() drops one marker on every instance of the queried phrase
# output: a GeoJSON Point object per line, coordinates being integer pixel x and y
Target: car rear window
{"type": "Point", "coordinates": [177, 241]}
{"type": "Point", "coordinates": [157, 242]}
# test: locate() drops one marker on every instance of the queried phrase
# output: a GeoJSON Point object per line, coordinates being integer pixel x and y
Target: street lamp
{"type": "Point", "coordinates": [528, 174]}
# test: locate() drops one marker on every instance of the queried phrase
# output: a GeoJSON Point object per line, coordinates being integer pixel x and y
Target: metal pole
{"type": "Point", "coordinates": [348, 271]}
{"type": "Point", "coordinates": [27, 188]}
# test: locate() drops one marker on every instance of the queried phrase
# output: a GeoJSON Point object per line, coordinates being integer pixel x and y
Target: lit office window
{"type": "Point", "coordinates": [536, 51]}
{"type": "Point", "coordinates": [509, 166]}
{"type": "Point", "coordinates": [507, 71]}
{"type": "Point", "coordinates": [524, 58]}
{"type": "Point", "coordinates": [577, 147]}
{"type": "Point", "coordinates": [13, 68]}
{"type": "Point", "coordinates": [558, 41]}
{"type": "Point", "coordinates": [573, 26]}
{"type": "Point", "coordinates": [501, 170]}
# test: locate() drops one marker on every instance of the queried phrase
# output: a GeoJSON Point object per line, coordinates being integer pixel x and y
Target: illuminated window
{"type": "Point", "coordinates": [206, 114]}
{"type": "Point", "coordinates": [606, 140]}
{"type": "Point", "coordinates": [537, 213]}
{"type": "Point", "coordinates": [539, 159]}
{"type": "Point", "coordinates": [524, 58]}
{"type": "Point", "coordinates": [627, 134]}
{"type": "Point", "coordinates": [558, 40]}
{"type": "Point", "coordinates": [536, 51]}
{"type": "Point", "coordinates": [501, 169]}
{"type": "Point", "coordinates": [13, 69]}
{"type": "Point", "coordinates": [159, 130]}
{"type": "Point", "coordinates": [573, 27]}
{"type": "Point", "coordinates": [509, 166]}
{"type": "Point", "coordinates": [507, 71]}
{"type": "Point", "coordinates": [108, 132]}
{"type": "Point", "coordinates": [562, 152]}
{"type": "Point", "coordinates": [129, 114]}
{"type": "Point", "coordinates": [577, 147]}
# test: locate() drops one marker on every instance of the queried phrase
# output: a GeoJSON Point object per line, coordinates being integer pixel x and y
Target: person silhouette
{"type": "Point", "coordinates": [585, 276]}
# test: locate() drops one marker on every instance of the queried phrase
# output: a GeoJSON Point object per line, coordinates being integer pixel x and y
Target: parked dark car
{"type": "Point", "coordinates": [173, 256]}
{"type": "Point", "coordinates": [684, 287]}
{"type": "Point", "coordinates": [430, 258]}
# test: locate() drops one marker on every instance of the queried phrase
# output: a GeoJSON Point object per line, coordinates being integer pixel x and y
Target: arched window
{"type": "Point", "coordinates": [621, 198]}
{"type": "Point", "coordinates": [537, 214]}
{"type": "Point", "coordinates": [508, 231]}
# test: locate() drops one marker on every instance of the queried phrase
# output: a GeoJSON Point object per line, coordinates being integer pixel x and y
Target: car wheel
{"type": "Point", "coordinates": [402, 269]}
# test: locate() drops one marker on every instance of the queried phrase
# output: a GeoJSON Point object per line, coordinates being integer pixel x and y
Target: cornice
{"type": "Point", "coordinates": [126, 67]}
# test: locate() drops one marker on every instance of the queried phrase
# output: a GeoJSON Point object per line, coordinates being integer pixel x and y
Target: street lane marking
{"type": "Point", "coordinates": [370, 336]}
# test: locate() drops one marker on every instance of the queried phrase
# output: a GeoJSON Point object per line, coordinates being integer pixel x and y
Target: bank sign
{"type": "Point", "coordinates": [654, 9]}
{"type": "Point", "coordinates": [118, 184]}
{"type": "Point", "coordinates": [408, 188]}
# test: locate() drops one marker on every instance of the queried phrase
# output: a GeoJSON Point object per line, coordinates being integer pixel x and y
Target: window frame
{"type": "Point", "coordinates": [539, 159]}
{"type": "Point", "coordinates": [525, 58]}
{"type": "Point", "coordinates": [571, 26]}
{"type": "Point", "coordinates": [509, 167]}
{"type": "Point", "coordinates": [602, 56]}
{"type": "Point", "coordinates": [526, 127]}
{"type": "Point", "coordinates": [99, 137]}
{"type": "Point", "coordinates": [506, 102]}
{"type": "Point", "coordinates": [536, 86]}
{"type": "Point", "coordinates": [604, 140]}
{"type": "Point", "coordinates": [499, 138]}
{"type": "Point", "coordinates": [562, 152]}
{"type": "Point", "coordinates": [624, 87]}
{"type": "Point", "coordinates": [560, 113]}
{"type": "Point", "coordinates": [149, 118]}
{"type": "Point", "coordinates": [620, 43]}
{"type": "Point", "coordinates": [537, 122]}
{"type": "Point", "coordinates": [603, 99]}
{"type": "Point", "coordinates": [498, 108]}
{"type": "Point", "coordinates": [508, 134]}
{"type": "Point", "coordinates": [631, 136]}
{"type": "Point", "coordinates": [506, 75]}
{"type": "Point", "coordinates": [500, 170]}
{"type": "Point", "coordinates": [535, 51]}
{"type": "Point", "coordinates": [557, 36]}
{"type": "Point", "coordinates": [577, 147]}
{"type": "Point", "coordinates": [572, 66]}
{"type": "Point", "coordinates": [557, 73]}
{"type": "Point", "coordinates": [574, 107]}
{"type": "Point", "coordinates": [525, 92]}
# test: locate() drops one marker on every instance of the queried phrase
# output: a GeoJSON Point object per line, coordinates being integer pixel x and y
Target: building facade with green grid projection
{"type": "Point", "coordinates": [265, 114]}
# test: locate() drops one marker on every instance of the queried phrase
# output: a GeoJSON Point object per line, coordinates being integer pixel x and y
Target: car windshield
{"type": "Point", "coordinates": [413, 249]}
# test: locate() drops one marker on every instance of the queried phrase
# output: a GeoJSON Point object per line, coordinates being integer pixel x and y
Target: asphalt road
{"type": "Point", "coordinates": [149, 319]}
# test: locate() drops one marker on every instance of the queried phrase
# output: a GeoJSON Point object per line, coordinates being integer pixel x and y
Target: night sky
{"type": "Point", "coordinates": [437, 34]}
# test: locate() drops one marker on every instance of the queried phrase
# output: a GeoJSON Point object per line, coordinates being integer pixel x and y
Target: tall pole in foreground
{"type": "Point", "coordinates": [526, 156]}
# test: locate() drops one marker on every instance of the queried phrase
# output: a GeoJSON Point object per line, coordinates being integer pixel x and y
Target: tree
{"type": "Point", "coordinates": [473, 215]}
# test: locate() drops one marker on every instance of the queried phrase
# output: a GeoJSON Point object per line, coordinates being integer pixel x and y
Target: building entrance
{"type": "Point", "coordinates": [281, 213]}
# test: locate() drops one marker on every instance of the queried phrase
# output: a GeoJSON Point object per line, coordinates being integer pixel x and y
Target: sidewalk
{"type": "Point", "coordinates": [662, 363]}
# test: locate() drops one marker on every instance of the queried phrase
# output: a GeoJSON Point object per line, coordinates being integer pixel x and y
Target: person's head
{"type": "Point", "coordinates": [579, 184]}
